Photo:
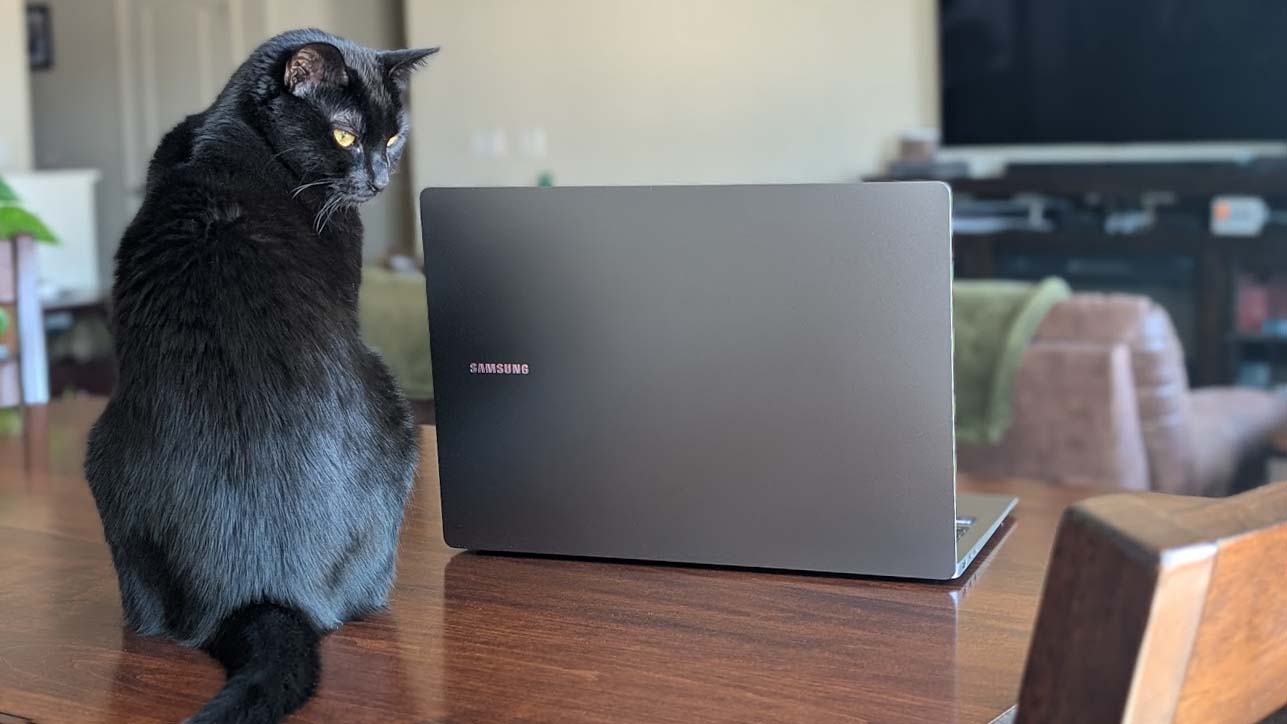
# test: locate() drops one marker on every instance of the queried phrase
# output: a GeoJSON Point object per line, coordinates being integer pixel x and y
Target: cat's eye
{"type": "Point", "coordinates": [393, 139]}
{"type": "Point", "coordinates": [343, 137]}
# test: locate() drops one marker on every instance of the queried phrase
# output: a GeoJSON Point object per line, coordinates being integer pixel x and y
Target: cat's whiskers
{"type": "Point", "coordinates": [328, 210]}
{"type": "Point", "coordinates": [319, 222]}
{"type": "Point", "coordinates": [302, 187]}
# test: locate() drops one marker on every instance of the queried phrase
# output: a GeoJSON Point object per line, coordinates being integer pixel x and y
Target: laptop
{"type": "Point", "coordinates": [752, 376]}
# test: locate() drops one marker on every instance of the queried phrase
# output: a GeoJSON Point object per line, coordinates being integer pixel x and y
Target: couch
{"type": "Point", "coordinates": [1102, 398]}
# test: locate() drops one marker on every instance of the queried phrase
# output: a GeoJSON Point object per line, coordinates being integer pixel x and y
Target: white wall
{"type": "Point", "coordinates": [669, 91]}
{"type": "Point", "coordinates": [15, 109]}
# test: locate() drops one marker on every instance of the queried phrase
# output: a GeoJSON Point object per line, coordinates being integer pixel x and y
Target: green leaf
{"type": "Point", "coordinates": [4, 321]}
{"type": "Point", "coordinates": [15, 222]}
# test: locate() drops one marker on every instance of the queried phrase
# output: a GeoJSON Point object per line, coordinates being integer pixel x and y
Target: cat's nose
{"type": "Point", "coordinates": [378, 176]}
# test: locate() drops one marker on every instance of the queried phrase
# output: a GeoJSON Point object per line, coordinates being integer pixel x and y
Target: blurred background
{"type": "Point", "coordinates": [1132, 148]}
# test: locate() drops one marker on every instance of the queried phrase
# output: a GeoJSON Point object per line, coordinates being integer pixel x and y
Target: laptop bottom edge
{"type": "Point", "coordinates": [987, 511]}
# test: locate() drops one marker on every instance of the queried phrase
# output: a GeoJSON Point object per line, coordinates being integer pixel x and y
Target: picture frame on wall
{"type": "Point", "coordinates": [40, 37]}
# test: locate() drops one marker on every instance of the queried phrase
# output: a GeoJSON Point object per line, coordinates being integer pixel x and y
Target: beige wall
{"type": "Point", "coordinates": [669, 91]}
{"type": "Point", "coordinates": [15, 108]}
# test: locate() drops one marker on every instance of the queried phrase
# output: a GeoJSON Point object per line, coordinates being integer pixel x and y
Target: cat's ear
{"type": "Point", "coordinates": [399, 64]}
{"type": "Point", "coordinates": [313, 65]}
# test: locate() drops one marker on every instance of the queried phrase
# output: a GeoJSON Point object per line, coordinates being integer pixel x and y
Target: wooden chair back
{"type": "Point", "coordinates": [1162, 608]}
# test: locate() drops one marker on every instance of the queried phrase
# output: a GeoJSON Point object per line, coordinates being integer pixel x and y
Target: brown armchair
{"type": "Point", "coordinates": [1102, 398]}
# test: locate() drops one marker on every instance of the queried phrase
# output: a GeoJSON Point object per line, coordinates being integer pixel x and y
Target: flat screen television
{"type": "Point", "coordinates": [1112, 71]}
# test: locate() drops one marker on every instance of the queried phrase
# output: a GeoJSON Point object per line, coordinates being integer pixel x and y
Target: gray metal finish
{"type": "Point", "coordinates": [987, 511]}
{"type": "Point", "coordinates": [737, 375]}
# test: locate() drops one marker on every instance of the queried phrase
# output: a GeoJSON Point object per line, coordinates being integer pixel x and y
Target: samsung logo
{"type": "Point", "coordinates": [493, 368]}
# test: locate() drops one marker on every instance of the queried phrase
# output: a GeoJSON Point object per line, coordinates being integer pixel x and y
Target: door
{"type": "Point", "coordinates": [175, 56]}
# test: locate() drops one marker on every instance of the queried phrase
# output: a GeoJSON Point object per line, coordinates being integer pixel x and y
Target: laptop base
{"type": "Point", "coordinates": [986, 511]}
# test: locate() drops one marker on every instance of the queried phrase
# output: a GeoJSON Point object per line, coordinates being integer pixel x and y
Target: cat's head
{"type": "Point", "coordinates": [334, 112]}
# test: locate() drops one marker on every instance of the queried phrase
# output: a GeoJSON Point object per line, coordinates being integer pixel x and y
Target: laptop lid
{"type": "Point", "coordinates": [738, 375]}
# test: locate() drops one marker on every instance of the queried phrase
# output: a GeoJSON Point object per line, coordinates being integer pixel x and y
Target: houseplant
{"type": "Point", "coordinates": [16, 223]}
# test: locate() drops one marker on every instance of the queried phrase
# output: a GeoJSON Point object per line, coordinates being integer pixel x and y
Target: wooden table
{"type": "Point", "coordinates": [477, 638]}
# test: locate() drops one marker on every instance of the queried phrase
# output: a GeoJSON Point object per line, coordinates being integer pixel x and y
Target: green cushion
{"type": "Point", "coordinates": [394, 319]}
{"type": "Point", "coordinates": [993, 323]}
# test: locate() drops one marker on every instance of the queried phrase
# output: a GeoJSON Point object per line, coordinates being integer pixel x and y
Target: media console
{"type": "Point", "coordinates": [1145, 228]}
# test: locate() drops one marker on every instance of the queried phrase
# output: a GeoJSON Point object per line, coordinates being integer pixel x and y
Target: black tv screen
{"type": "Point", "coordinates": [1111, 71]}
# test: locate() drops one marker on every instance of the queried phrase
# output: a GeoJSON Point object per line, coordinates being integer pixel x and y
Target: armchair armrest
{"type": "Point", "coordinates": [1157, 366]}
{"type": "Point", "coordinates": [1076, 420]}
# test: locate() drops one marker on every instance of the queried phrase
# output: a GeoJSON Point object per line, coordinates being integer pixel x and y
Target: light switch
{"type": "Point", "coordinates": [489, 143]}
{"type": "Point", "coordinates": [533, 142]}
{"type": "Point", "coordinates": [500, 143]}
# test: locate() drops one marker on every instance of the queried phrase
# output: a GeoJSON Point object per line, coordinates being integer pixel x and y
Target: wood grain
{"type": "Point", "coordinates": [1238, 668]}
{"type": "Point", "coordinates": [1163, 609]}
{"type": "Point", "coordinates": [479, 638]}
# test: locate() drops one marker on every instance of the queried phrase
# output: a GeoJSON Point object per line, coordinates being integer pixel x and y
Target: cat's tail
{"type": "Point", "coordinates": [270, 655]}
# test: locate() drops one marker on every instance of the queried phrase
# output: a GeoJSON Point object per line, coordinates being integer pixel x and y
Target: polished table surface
{"type": "Point", "coordinates": [479, 638]}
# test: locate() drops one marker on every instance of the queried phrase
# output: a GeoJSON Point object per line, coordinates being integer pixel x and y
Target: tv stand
{"type": "Point", "coordinates": [1167, 251]}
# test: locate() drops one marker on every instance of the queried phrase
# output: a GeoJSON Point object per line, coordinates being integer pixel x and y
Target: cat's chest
{"type": "Point", "coordinates": [298, 254]}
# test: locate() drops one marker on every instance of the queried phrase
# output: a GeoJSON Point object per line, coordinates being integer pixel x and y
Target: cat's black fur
{"type": "Point", "coordinates": [253, 464]}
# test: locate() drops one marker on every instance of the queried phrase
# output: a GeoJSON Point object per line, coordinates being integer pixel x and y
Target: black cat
{"type": "Point", "coordinates": [253, 464]}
